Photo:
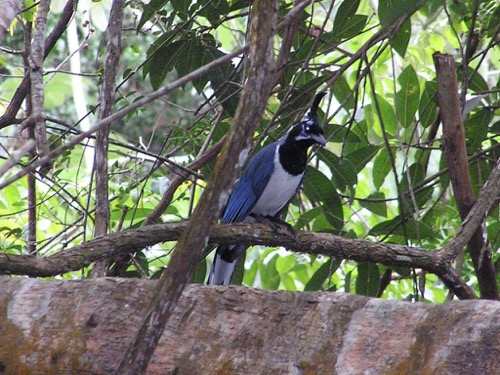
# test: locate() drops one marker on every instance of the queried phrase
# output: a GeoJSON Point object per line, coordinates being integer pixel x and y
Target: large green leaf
{"type": "Point", "coordinates": [375, 203]}
{"type": "Point", "coordinates": [413, 176]}
{"type": "Point", "coordinates": [407, 97]}
{"type": "Point", "coordinates": [410, 229]}
{"type": "Point", "coordinates": [476, 129]}
{"type": "Point", "coordinates": [340, 134]}
{"type": "Point", "coordinates": [368, 279]}
{"type": "Point", "coordinates": [383, 114]}
{"type": "Point", "coordinates": [361, 156]}
{"type": "Point", "coordinates": [427, 106]}
{"type": "Point", "coordinates": [213, 10]}
{"type": "Point", "coordinates": [307, 217]}
{"type": "Point", "coordinates": [326, 270]}
{"type": "Point", "coordinates": [223, 80]}
{"type": "Point", "coordinates": [269, 276]}
{"type": "Point", "coordinates": [343, 172]}
{"type": "Point", "coordinates": [163, 61]}
{"type": "Point", "coordinates": [390, 11]}
{"type": "Point", "coordinates": [400, 41]}
{"type": "Point", "coordinates": [348, 30]}
{"type": "Point", "coordinates": [342, 91]}
{"type": "Point", "coordinates": [346, 11]}
{"type": "Point", "coordinates": [149, 10]}
{"type": "Point", "coordinates": [320, 189]}
{"type": "Point", "coordinates": [381, 167]}
{"type": "Point", "coordinates": [476, 81]}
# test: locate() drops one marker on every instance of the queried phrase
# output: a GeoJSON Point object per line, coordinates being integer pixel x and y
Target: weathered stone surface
{"type": "Point", "coordinates": [84, 327]}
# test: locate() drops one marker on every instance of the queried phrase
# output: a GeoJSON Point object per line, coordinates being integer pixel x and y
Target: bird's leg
{"type": "Point", "coordinates": [274, 222]}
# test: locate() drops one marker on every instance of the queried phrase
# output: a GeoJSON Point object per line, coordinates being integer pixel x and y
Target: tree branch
{"type": "Point", "coordinates": [195, 237]}
{"type": "Point", "coordinates": [36, 80]}
{"type": "Point", "coordinates": [107, 100]}
{"type": "Point", "coordinates": [327, 244]}
{"type": "Point", "coordinates": [8, 117]}
{"type": "Point", "coordinates": [456, 156]}
{"type": "Point", "coordinates": [123, 112]}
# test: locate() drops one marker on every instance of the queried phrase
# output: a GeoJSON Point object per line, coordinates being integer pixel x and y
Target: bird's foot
{"type": "Point", "coordinates": [276, 224]}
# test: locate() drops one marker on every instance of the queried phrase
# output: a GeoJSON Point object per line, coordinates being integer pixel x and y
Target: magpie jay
{"type": "Point", "coordinates": [268, 184]}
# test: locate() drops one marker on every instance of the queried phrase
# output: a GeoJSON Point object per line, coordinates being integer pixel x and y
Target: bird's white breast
{"type": "Point", "coordinates": [278, 191]}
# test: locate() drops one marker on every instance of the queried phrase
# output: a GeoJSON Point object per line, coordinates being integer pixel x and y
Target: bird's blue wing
{"type": "Point", "coordinates": [250, 186]}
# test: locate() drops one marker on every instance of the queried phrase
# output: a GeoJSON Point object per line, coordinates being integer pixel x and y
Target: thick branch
{"type": "Point", "coordinates": [456, 157]}
{"type": "Point", "coordinates": [36, 79]}
{"type": "Point", "coordinates": [83, 327]}
{"type": "Point", "coordinates": [194, 239]}
{"type": "Point", "coordinates": [306, 242]}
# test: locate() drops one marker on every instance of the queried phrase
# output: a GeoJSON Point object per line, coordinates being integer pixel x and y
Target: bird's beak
{"type": "Point", "coordinates": [319, 139]}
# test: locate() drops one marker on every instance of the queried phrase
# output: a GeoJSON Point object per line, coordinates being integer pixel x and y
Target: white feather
{"type": "Point", "coordinates": [278, 191]}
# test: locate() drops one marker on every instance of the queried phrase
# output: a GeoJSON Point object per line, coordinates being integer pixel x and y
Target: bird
{"type": "Point", "coordinates": [269, 182]}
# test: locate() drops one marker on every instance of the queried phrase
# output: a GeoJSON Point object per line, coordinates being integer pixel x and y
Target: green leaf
{"type": "Point", "coordinates": [285, 264]}
{"type": "Point", "coordinates": [400, 41]}
{"type": "Point", "coordinates": [149, 10]}
{"type": "Point", "coordinates": [29, 14]}
{"type": "Point", "coordinates": [340, 134]}
{"type": "Point", "coordinates": [378, 208]}
{"type": "Point", "coordinates": [223, 80]}
{"type": "Point", "coordinates": [163, 61]}
{"type": "Point", "coordinates": [407, 97]}
{"type": "Point", "coordinates": [342, 91]}
{"type": "Point", "coordinates": [427, 106]}
{"type": "Point", "coordinates": [324, 272]}
{"type": "Point", "coordinates": [381, 167]}
{"type": "Point", "coordinates": [213, 10]}
{"type": "Point", "coordinates": [200, 272]}
{"type": "Point", "coordinates": [390, 11]}
{"type": "Point", "coordinates": [239, 270]}
{"type": "Point", "coordinates": [350, 29]}
{"type": "Point", "coordinates": [476, 129]}
{"type": "Point", "coordinates": [269, 276]}
{"type": "Point", "coordinates": [343, 171]}
{"type": "Point", "coordinates": [476, 81]}
{"type": "Point", "coordinates": [346, 11]}
{"type": "Point", "coordinates": [386, 115]}
{"type": "Point", "coordinates": [368, 279]}
{"type": "Point", "coordinates": [307, 217]}
{"type": "Point", "coordinates": [361, 156]}
{"type": "Point", "coordinates": [410, 230]}
{"type": "Point", "coordinates": [320, 189]}
{"type": "Point", "coordinates": [412, 177]}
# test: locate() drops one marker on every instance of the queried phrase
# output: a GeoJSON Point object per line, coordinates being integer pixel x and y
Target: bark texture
{"type": "Point", "coordinates": [84, 327]}
{"type": "Point", "coordinates": [455, 151]}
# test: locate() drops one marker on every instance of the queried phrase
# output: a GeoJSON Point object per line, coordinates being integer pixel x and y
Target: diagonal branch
{"type": "Point", "coordinates": [194, 238]}
{"type": "Point", "coordinates": [123, 112]}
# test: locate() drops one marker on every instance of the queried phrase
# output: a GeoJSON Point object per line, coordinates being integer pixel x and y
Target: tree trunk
{"type": "Point", "coordinates": [84, 327]}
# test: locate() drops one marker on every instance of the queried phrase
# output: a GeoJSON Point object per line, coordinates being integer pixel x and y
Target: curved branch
{"type": "Point", "coordinates": [327, 244]}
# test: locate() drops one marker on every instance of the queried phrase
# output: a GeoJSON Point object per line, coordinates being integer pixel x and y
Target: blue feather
{"type": "Point", "coordinates": [250, 186]}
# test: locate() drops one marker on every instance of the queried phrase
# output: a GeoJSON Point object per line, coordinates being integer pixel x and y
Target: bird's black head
{"type": "Point", "coordinates": [309, 131]}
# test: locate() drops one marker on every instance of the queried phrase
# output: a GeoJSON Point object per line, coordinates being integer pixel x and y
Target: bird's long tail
{"type": "Point", "coordinates": [223, 265]}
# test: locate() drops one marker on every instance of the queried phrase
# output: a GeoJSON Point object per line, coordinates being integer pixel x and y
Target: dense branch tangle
{"type": "Point", "coordinates": [379, 41]}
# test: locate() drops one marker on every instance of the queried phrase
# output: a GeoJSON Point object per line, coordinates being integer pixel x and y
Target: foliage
{"type": "Point", "coordinates": [381, 177]}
